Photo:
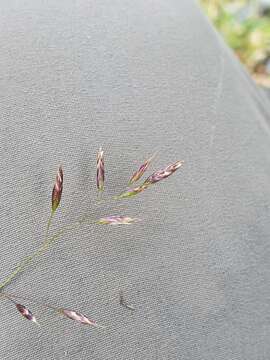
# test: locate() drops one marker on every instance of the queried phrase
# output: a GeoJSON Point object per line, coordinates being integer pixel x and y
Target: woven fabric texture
{"type": "Point", "coordinates": [135, 77]}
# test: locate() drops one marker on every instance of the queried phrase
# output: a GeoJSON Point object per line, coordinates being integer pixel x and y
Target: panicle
{"type": "Point", "coordinates": [26, 313]}
{"type": "Point", "coordinates": [100, 170]}
{"type": "Point", "coordinates": [163, 174]}
{"type": "Point", "coordinates": [117, 220]}
{"type": "Point", "coordinates": [139, 173]}
{"type": "Point", "coordinates": [57, 189]}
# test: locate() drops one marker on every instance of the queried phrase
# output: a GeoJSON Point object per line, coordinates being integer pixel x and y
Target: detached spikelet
{"type": "Point", "coordinates": [82, 319]}
{"type": "Point", "coordinates": [26, 313]}
{"type": "Point", "coordinates": [123, 302]}
{"type": "Point", "coordinates": [100, 170]}
{"type": "Point", "coordinates": [139, 173]}
{"type": "Point", "coordinates": [116, 220]}
{"type": "Point", "coordinates": [57, 189]}
{"type": "Point", "coordinates": [132, 192]}
{"type": "Point", "coordinates": [163, 174]}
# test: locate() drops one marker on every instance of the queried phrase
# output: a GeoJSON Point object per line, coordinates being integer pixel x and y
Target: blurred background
{"type": "Point", "coordinates": [245, 26]}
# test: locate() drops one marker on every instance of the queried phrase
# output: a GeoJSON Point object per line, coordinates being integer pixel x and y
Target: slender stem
{"type": "Point", "coordinates": [6, 296]}
{"type": "Point", "coordinates": [14, 296]}
{"type": "Point", "coordinates": [48, 241]}
{"type": "Point", "coordinates": [27, 260]}
{"type": "Point", "coordinates": [99, 196]}
{"type": "Point", "coordinates": [49, 224]}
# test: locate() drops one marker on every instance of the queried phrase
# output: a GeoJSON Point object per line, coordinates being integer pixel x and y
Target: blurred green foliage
{"type": "Point", "coordinates": [245, 26]}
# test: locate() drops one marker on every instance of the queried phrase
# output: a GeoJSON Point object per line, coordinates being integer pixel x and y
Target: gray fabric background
{"type": "Point", "coordinates": [135, 77]}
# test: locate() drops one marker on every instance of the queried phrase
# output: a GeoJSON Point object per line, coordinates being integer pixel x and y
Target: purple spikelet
{"type": "Point", "coordinates": [100, 170]}
{"type": "Point", "coordinates": [74, 315]}
{"type": "Point", "coordinates": [116, 220]}
{"type": "Point", "coordinates": [139, 173]}
{"type": "Point", "coordinates": [26, 313]}
{"type": "Point", "coordinates": [57, 189]}
{"type": "Point", "coordinates": [163, 174]}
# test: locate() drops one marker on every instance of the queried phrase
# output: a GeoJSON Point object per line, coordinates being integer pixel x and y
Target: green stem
{"type": "Point", "coordinates": [99, 196]}
{"type": "Point", "coordinates": [48, 241]}
{"type": "Point", "coordinates": [49, 224]}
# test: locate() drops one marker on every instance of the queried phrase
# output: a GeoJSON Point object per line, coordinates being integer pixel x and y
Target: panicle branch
{"type": "Point", "coordinates": [152, 179]}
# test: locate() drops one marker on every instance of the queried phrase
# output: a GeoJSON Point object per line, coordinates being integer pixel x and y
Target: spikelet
{"type": "Point", "coordinates": [163, 174]}
{"type": "Point", "coordinates": [26, 313]}
{"type": "Point", "coordinates": [100, 170]}
{"type": "Point", "coordinates": [57, 189]}
{"type": "Point", "coordinates": [116, 220]}
{"type": "Point", "coordinates": [74, 315]}
{"type": "Point", "coordinates": [139, 173]}
{"type": "Point", "coordinates": [123, 302]}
